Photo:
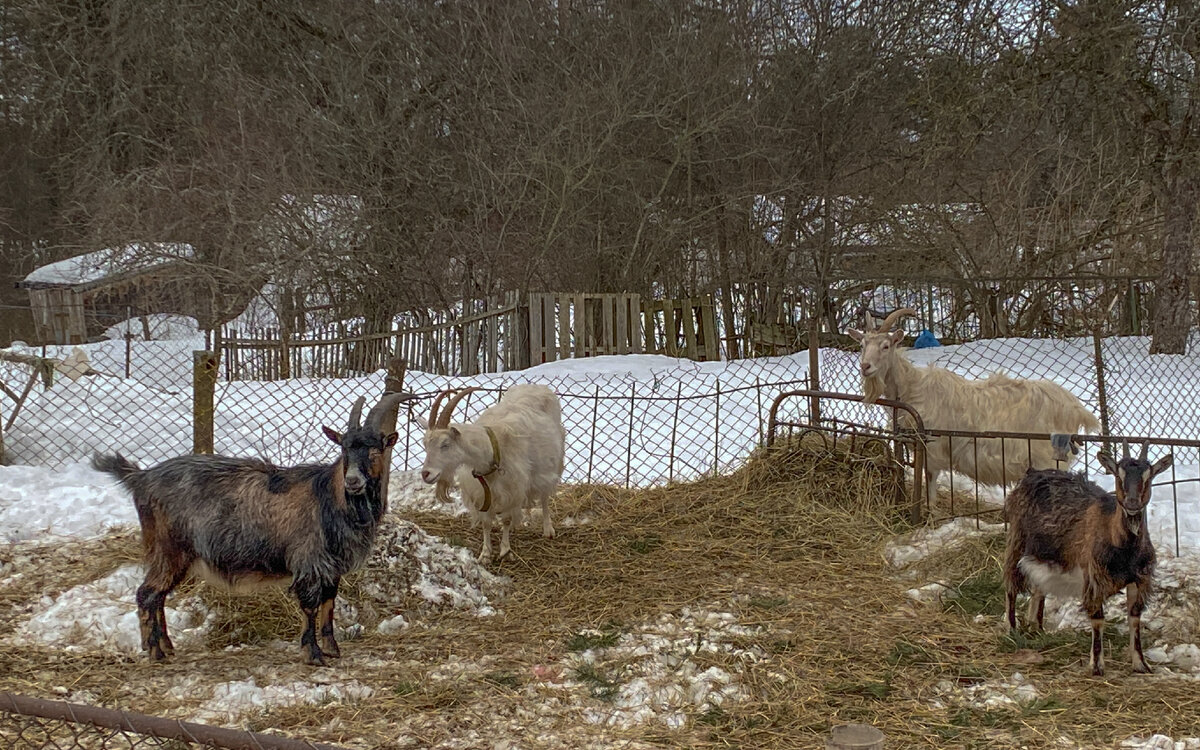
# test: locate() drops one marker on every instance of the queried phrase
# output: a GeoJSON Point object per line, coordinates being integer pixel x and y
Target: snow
{"type": "Point", "coordinates": [74, 501]}
{"type": "Point", "coordinates": [924, 542]}
{"type": "Point", "coordinates": [102, 615]}
{"type": "Point", "coordinates": [232, 699]}
{"type": "Point", "coordinates": [1015, 690]}
{"type": "Point", "coordinates": [655, 672]}
{"type": "Point", "coordinates": [101, 263]}
{"type": "Point", "coordinates": [1162, 742]}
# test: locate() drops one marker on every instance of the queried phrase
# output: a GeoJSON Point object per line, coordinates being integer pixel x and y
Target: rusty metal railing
{"type": "Point", "coordinates": [911, 431]}
{"type": "Point", "coordinates": [35, 723]}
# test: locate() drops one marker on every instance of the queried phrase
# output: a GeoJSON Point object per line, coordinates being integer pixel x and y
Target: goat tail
{"type": "Point", "coordinates": [117, 465]}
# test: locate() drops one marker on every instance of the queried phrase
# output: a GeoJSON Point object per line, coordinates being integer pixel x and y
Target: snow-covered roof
{"type": "Point", "coordinates": [94, 266]}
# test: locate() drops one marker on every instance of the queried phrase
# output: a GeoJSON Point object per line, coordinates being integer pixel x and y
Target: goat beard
{"type": "Point", "coordinates": [873, 388]}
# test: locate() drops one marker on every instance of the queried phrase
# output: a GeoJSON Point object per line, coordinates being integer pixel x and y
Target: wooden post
{"type": "Point", "coordinates": [855, 737]}
{"type": "Point", "coordinates": [393, 383]}
{"type": "Point", "coordinates": [1101, 390]}
{"type": "Point", "coordinates": [814, 369]}
{"type": "Point", "coordinates": [204, 384]}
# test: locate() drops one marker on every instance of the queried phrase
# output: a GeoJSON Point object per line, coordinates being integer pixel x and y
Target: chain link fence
{"type": "Point", "coordinates": [678, 424]}
{"type": "Point", "coordinates": [28, 723]}
{"type": "Point", "coordinates": [61, 403]}
{"type": "Point", "coordinates": [1130, 390]}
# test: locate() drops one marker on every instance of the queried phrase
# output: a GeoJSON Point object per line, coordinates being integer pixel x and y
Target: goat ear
{"type": "Point", "coordinates": [896, 336]}
{"type": "Point", "coordinates": [390, 440]}
{"type": "Point", "coordinates": [855, 334]}
{"type": "Point", "coordinates": [1106, 460]}
{"type": "Point", "coordinates": [1162, 464]}
{"type": "Point", "coordinates": [333, 435]}
{"type": "Point", "coordinates": [454, 431]}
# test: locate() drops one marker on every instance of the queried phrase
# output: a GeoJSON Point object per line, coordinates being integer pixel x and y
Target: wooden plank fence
{"type": "Point", "coordinates": [509, 333]}
{"type": "Point", "coordinates": [682, 328]}
{"type": "Point", "coordinates": [565, 326]}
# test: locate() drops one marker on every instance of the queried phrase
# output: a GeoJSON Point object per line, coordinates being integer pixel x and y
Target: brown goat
{"type": "Point", "coordinates": [239, 523]}
{"type": "Point", "coordinates": [1070, 538]}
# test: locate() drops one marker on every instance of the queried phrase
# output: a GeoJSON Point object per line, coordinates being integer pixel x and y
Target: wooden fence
{"type": "Point", "coordinates": [682, 328]}
{"type": "Point", "coordinates": [509, 333]}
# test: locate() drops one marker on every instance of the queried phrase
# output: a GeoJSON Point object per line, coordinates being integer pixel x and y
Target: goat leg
{"type": "Point", "coordinates": [1037, 609]}
{"type": "Point", "coordinates": [547, 522]}
{"type": "Point", "coordinates": [325, 611]}
{"type": "Point", "coordinates": [1096, 662]}
{"type": "Point", "coordinates": [149, 600]}
{"type": "Point", "coordinates": [506, 525]}
{"type": "Point", "coordinates": [1136, 596]}
{"type": "Point", "coordinates": [485, 554]}
{"type": "Point", "coordinates": [308, 592]}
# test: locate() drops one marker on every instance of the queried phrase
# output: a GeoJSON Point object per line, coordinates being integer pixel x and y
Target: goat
{"type": "Point", "coordinates": [243, 522]}
{"type": "Point", "coordinates": [1068, 537]}
{"type": "Point", "coordinates": [948, 401]}
{"type": "Point", "coordinates": [509, 457]}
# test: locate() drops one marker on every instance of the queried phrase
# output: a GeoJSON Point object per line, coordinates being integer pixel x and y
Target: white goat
{"type": "Point", "coordinates": [948, 401]}
{"type": "Point", "coordinates": [509, 457]}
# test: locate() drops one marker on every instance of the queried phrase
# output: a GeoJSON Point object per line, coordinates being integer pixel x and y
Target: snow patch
{"type": "Point", "coordinates": [925, 542]}
{"type": "Point", "coordinates": [989, 694]}
{"type": "Point", "coordinates": [656, 673]}
{"type": "Point", "coordinates": [73, 501]}
{"type": "Point", "coordinates": [102, 615]}
{"type": "Point", "coordinates": [230, 700]}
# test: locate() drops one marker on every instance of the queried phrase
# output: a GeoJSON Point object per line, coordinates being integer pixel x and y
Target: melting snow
{"type": "Point", "coordinates": [103, 615]}
{"type": "Point", "coordinates": [657, 672]}
{"type": "Point", "coordinates": [925, 542]}
{"type": "Point", "coordinates": [232, 699]}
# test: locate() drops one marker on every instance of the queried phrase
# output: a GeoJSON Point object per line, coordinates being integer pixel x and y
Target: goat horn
{"type": "Point", "coordinates": [449, 410]}
{"type": "Point", "coordinates": [1126, 450]}
{"type": "Point", "coordinates": [356, 412]}
{"type": "Point", "coordinates": [389, 401]}
{"type": "Point", "coordinates": [869, 323]}
{"type": "Point", "coordinates": [437, 401]}
{"type": "Point", "coordinates": [1145, 451]}
{"type": "Point", "coordinates": [890, 320]}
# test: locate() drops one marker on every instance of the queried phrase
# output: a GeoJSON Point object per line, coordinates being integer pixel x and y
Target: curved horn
{"type": "Point", "coordinates": [1126, 450]}
{"type": "Point", "coordinates": [437, 401]}
{"type": "Point", "coordinates": [890, 320]}
{"type": "Point", "coordinates": [1145, 452]}
{"type": "Point", "coordinates": [389, 401]}
{"type": "Point", "coordinates": [356, 412]}
{"type": "Point", "coordinates": [449, 410]}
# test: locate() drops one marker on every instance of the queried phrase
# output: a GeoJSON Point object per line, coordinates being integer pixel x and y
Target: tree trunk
{"type": "Point", "coordinates": [1172, 309]}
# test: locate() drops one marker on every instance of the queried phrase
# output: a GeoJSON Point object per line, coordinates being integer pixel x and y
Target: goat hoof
{"type": "Point", "coordinates": [1142, 668]}
{"type": "Point", "coordinates": [1097, 671]}
{"type": "Point", "coordinates": [314, 660]}
{"type": "Point", "coordinates": [156, 654]}
{"type": "Point", "coordinates": [548, 533]}
{"type": "Point", "coordinates": [333, 651]}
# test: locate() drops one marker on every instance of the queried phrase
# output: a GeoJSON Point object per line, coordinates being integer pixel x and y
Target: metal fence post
{"type": "Point", "coordinates": [1101, 390]}
{"type": "Point", "coordinates": [204, 385]}
{"type": "Point", "coordinates": [397, 368]}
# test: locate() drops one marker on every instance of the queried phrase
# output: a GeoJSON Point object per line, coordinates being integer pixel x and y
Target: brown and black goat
{"type": "Point", "coordinates": [241, 522]}
{"type": "Point", "coordinates": [1070, 538]}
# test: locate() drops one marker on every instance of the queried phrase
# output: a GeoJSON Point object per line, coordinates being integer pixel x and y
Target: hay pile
{"type": "Point", "coordinates": [756, 609]}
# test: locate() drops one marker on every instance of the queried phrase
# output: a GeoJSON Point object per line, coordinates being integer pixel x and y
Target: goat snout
{"type": "Point", "coordinates": [867, 368]}
{"type": "Point", "coordinates": [428, 477]}
{"type": "Point", "coordinates": [356, 483]}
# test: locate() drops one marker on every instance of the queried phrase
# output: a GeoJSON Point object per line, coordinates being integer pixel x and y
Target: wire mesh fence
{"type": "Point", "coordinates": [28, 723]}
{"type": "Point", "coordinates": [681, 423]}
{"type": "Point", "coordinates": [61, 403]}
{"type": "Point", "coordinates": [1130, 390]}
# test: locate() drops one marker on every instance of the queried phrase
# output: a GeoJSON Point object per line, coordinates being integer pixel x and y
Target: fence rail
{"type": "Point", "coordinates": [35, 723]}
{"type": "Point", "coordinates": [910, 453]}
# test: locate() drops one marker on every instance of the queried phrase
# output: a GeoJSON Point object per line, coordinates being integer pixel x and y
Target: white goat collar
{"type": "Point", "coordinates": [491, 469]}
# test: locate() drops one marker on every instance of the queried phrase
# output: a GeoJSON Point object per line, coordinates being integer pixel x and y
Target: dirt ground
{"type": "Point", "coordinates": [755, 610]}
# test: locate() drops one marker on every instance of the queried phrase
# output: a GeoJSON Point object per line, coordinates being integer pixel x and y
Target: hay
{"type": "Point", "coordinates": [790, 546]}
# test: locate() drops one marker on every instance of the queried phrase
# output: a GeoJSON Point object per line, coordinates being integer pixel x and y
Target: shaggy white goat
{"type": "Point", "coordinates": [948, 401]}
{"type": "Point", "coordinates": [509, 457]}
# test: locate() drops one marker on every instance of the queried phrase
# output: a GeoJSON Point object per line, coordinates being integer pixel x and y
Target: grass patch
{"type": "Point", "coordinates": [874, 689]}
{"type": "Point", "coordinates": [598, 684]}
{"type": "Point", "coordinates": [981, 594]}
{"type": "Point", "coordinates": [606, 637]}
{"type": "Point", "coordinates": [768, 602]}
{"type": "Point", "coordinates": [503, 679]}
{"type": "Point", "coordinates": [644, 545]}
{"type": "Point", "coordinates": [906, 653]}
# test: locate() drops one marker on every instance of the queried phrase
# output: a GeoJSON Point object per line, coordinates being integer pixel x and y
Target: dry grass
{"type": "Point", "coordinates": [792, 542]}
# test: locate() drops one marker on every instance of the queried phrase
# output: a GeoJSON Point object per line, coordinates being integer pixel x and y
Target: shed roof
{"type": "Point", "coordinates": [94, 268]}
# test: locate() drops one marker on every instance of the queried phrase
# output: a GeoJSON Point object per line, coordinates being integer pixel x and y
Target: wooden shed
{"type": "Point", "coordinates": [77, 299]}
